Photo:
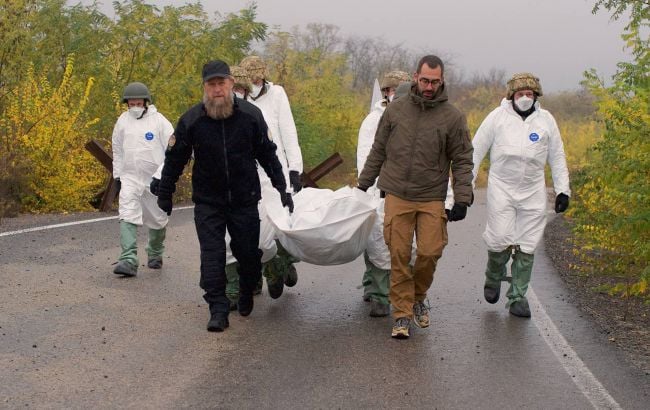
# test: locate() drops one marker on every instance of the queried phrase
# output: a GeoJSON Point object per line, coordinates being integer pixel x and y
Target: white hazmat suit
{"type": "Point", "coordinates": [138, 151]}
{"type": "Point", "coordinates": [516, 193]}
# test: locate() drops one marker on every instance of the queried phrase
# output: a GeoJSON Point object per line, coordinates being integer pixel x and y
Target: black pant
{"type": "Point", "coordinates": [243, 224]}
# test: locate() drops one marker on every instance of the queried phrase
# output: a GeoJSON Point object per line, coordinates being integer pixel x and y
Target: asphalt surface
{"type": "Point", "coordinates": [74, 335]}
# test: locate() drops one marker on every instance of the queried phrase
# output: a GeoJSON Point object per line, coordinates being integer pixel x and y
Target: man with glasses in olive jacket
{"type": "Point", "coordinates": [420, 137]}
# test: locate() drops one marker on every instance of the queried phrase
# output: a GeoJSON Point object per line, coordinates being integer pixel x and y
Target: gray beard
{"type": "Point", "coordinates": [217, 109]}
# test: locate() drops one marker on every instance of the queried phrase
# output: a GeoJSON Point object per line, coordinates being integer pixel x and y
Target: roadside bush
{"type": "Point", "coordinates": [44, 129]}
{"type": "Point", "coordinates": [612, 207]}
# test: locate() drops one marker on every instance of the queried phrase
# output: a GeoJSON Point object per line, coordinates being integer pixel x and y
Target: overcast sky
{"type": "Point", "coordinates": [555, 39]}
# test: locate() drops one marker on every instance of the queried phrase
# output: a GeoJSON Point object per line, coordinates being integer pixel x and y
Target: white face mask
{"type": "Point", "coordinates": [390, 98]}
{"type": "Point", "coordinates": [136, 112]}
{"type": "Point", "coordinates": [239, 95]}
{"type": "Point", "coordinates": [524, 103]}
{"type": "Point", "coordinates": [257, 89]}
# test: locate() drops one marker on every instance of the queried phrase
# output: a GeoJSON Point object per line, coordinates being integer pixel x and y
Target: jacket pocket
{"type": "Point", "coordinates": [443, 227]}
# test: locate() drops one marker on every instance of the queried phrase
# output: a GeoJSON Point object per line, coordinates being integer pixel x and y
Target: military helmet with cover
{"type": "Point", "coordinates": [255, 67]}
{"type": "Point", "coordinates": [136, 90]}
{"type": "Point", "coordinates": [523, 81]}
{"type": "Point", "coordinates": [242, 79]}
{"type": "Point", "coordinates": [392, 79]}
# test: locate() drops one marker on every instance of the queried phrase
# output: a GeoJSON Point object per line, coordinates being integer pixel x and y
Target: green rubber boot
{"type": "Point", "coordinates": [376, 284]}
{"type": "Point", "coordinates": [232, 284]}
{"type": "Point", "coordinates": [494, 274]}
{"type": "Point", "coordinates": [128, 261]}
{"type": "Point", "coordinates": [288, 260]}
{"type": "Point", "coordinates": [522, 269]}
{"type": "Point", "coordinates": [156, 247]}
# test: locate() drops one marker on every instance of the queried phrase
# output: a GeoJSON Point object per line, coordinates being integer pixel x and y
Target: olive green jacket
{"type": "Point", "coordinates": [417, 142]}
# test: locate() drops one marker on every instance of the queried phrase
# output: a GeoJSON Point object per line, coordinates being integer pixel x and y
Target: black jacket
{"type": "Point", "coordinates": [225, 151]}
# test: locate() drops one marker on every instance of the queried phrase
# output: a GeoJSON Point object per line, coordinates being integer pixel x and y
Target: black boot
{"type": "Point", "coordinates": [218, 321]}
{"type": "Point", "coordinates": [219, 309]}
{"type": "Point", "coordinates": [245, 304]}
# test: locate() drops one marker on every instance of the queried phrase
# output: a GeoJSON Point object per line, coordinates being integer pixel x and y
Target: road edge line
{"type": "Point", "coordinates": [62, 225]}
{"type": "Point", "coordinates": [582, 377]}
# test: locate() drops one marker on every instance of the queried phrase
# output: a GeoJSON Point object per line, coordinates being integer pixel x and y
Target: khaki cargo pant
{"type": "Point", "coordinates": [429, 222]}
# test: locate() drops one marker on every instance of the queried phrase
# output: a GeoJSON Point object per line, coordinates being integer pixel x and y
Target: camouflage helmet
{"type": "Point", "coordinates": [393, 78]}
{"type": "Point", "coordinates": [255, 67]}
{"type": "Point", "coordinates": [523, 81]}
{"type": "Point", "coordinates": [136, 90]}
{"type": "Point", "coordinates": [241, 77]}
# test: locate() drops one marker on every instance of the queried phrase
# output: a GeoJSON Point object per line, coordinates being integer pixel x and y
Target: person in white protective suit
{"type": "Point", "coordinates": [521, 137]}
{"type": "Point", "coordinates": [139, 141]}
{"type": "Point", "coordinates": [376, 279]}
{"type": "Point", "coordinates": [272, 100]}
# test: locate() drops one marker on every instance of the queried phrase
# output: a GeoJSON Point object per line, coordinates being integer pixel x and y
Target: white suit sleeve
{"type": "Point", "coordinates": [118, 152]}
{"type": "Point", "coordinates": [449, 201]}
{"type": "Point", "coordinates": [557, 161]}
{"type": "Point", "coordinates": [166, 131]}
{"type": "Point", "coordinates": [158, 173]}
{"type": "Point", "coordinates": [366, 138]}
{"type": "Point", "coordinates": [288, 132]}
{"type": "Point", "coordinates": [482, 142]}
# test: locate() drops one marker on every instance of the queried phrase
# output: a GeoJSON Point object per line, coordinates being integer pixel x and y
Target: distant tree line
{"type": "Point", "coordinates": [64, 64]}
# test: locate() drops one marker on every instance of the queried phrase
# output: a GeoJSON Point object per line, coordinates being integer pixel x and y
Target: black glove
{"type": "Point", "coordinates": [165, 204]}
{"type": "Point", "coordinates": [153, 187]}
{"type": "Point", "coordinates": [295, 181]}
{"type": "Point", "coordinates": [287, 200]}
{"type": "Point", "coordinates": [364, 189]}
{"type": "Point", "coordinates": [458, 212]}
{"type": "Point", "coordinates": [561, 203]}
{"type": "Point", "coordinates": [118, 184]}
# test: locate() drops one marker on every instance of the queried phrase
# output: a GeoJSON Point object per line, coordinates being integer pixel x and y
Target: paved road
{"type": "Point", "coordinates": [73, 335]}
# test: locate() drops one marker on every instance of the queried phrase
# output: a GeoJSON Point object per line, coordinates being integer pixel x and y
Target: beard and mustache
{"type": "Point", "coordinates": [218, 108]}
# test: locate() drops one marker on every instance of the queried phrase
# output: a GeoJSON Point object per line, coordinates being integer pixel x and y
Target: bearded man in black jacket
{"type": "Point", "coordinates": [227, 136]}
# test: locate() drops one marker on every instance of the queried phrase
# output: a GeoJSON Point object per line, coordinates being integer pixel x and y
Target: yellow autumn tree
{"type": "Point", "coordinates": [44, 128]}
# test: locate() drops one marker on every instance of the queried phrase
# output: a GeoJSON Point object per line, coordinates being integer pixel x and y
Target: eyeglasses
{"type": "Point", "coordinates": [425, 82]}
